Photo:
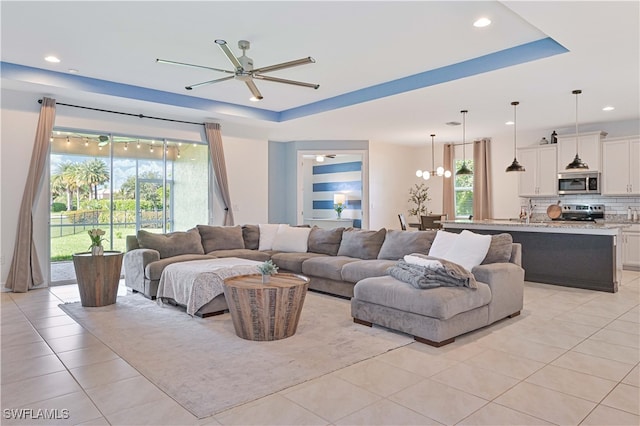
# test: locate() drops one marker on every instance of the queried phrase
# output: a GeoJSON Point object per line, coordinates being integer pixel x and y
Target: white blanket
{"type": "Point", "coordinates": [197, 282]}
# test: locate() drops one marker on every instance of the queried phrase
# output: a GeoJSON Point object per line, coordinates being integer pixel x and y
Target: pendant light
{"type": "Point", "coordinates": [515, 166]}
{"type": "Point", "coordinates": [440, 171]}
{"type": "Point", "coordinates": [577, 163]}
{"type": "Point", "coordinates": [464, 170]}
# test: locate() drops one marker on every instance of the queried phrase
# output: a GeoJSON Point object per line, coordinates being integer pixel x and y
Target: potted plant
{"type": "Point", "coordinates": [96, 236]}
{"type": "Point", "coordinates": [267, 269]}
{"type": "Point", "coordinates": [419, 195]}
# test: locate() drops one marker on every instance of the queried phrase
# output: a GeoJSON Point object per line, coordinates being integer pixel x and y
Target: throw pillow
{"type": "Point", "coordinates": [361, 244]}
{"type": "Point", "coordinates": [442, 243]}
{"type": "Point", "coordinates": [251, 236]}
{"type": "Point", "coordinates": [500, 249]}
{"type": "Point", "coordinates": [398, 243]}
{"type": "Point", "coordinates": [173, 243]}
{"type": "Point", "coordinates": [221, 237]}
{"type": "Point", "coordinates": [268, 233]}
{"type": "Point", "coordinates": [469, 249]}
{"type": "Point", "coordinates": [291, 239]}
{"type": "Point", "coordinates": [325, 241]}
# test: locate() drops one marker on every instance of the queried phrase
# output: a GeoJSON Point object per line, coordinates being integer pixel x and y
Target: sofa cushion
{"type": "Point", "coordinates": [173, 243]}
{"type": "Point", "coordinates": [259, 256]}
{"type": "Point", "coordinates": [325, 241]}
{"type": "Point", "coordinates": [326, 266]}
{"type": "Point", "coordinates": [361, 244]}
{"type": "Point", "coordinates": [251, 236]}
{"type": "Point", "coordinates": [153, 270]}
{"type": "Point", "coordinates": [499, 250]}
{"type": "Point", "coordinates": [291, 239]}
{"type": "Point", "coordinates": [440, 302]}
{"type": "Point", "coordinates": [268, 233]}
{"type": "Point", "coordinates": [469, 249]}
{"type": "Point", "coordinates": [293, 261]}
{"type": "Point", "coordinates": [361, 269]}
{"type": "Point", "coordinates": [399, 243]}
{"type": "Point", "coordinates": [221, 237]}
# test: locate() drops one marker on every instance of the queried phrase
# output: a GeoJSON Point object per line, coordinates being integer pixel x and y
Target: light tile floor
{"type": "Point", "coordinates": [571, 358]}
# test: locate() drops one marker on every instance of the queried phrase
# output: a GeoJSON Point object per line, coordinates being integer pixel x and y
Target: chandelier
{"type": "Point", "coordinates": [439, 171]}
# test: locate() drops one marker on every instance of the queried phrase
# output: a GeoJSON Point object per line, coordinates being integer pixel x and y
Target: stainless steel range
{"type": "Point", "coordinates": [582, 212]}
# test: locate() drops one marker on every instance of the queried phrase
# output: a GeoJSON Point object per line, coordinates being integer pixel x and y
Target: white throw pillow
{"type": "Point", "coordinates": [469, 249]}
{"type": "Point", "coordinates": [291, 239]}
{"type": "Point", "coordinates": [442, 243]}
{"type": "Point", "coordinates": [268, 233]}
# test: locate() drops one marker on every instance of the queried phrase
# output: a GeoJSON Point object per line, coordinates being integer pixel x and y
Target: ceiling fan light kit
{"type": "Point", "coordinates": [243, 70]}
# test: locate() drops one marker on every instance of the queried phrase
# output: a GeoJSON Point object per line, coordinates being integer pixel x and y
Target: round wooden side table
{"type": "Point", "coordinates": [98, 277]}
{"type": "Point", "coordinates": [265, 311]}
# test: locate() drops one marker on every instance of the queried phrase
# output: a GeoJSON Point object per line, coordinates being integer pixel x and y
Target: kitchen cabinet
{"type": "Point", "coordinates": [588, 149]}
{"type": "Point", "coordinates": [631, 248]}
{"type": "Point", "coordinates": [621, 167]}
{"type": "Point", "coordinates": [540, 176]}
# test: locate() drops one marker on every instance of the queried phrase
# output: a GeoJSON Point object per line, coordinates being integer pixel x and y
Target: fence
{"type": "Point", "coordinates": [71, 223]}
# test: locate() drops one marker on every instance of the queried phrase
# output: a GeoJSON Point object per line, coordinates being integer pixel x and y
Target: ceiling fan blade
{"type": "Point", "coordinates": [164, 61]}
{"type": "Point", "coordinates": [282, 80]}
{"type": "Point", "coordinates": [204, 83]}
{"type": "Point", "coordinates": [254, 89]}
{"type": "Point", "coordinates": [303, 61]}
{"type": "Point", "coordinates": [225, 49]}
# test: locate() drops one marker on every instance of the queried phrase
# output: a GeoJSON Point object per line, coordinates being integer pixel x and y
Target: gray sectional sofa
{"type": "Point", "coordinates": [339, 260]}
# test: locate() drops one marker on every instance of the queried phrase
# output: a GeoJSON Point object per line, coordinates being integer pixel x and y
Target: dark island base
{"type": "Point", "coordinates": [569, 260]}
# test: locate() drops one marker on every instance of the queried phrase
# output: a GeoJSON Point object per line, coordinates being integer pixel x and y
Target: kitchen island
{"type": "Point", "coordinates": [572, 254]}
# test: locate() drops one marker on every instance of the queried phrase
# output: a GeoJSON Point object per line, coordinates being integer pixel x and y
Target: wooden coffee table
{"type": "Point", "coordinates": [265, 311]}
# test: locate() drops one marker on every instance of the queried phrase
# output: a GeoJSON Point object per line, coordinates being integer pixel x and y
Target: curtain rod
{"type": "Point", "coordinates": [127, 113]}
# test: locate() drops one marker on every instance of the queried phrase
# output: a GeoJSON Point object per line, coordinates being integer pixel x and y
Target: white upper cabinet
{"type": "Point", "coordinates": [588, 149]}
{"type": "Point", "coordinates": [621, 167]}
{"type": "Point", "coordinates": [540, 176]}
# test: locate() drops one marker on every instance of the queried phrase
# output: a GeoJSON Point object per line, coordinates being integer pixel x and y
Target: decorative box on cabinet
{"type": "Point", "coordinates": [588, 149]}
{"type": "Point", "coordinates": [631, 248]}
{"type": "Point", "coordinates": [621, 167]}
{"type": "Point", "coordinates": [540, 176]}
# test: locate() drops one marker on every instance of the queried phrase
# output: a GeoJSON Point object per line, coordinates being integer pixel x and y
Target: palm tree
{"type": "Point", "coordinates": [65, 179]}
{"type": "Point", "coordinates": [94, 173]}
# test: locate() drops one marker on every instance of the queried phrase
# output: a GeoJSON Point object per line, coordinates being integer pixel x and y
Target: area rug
{"type": "Point", "coordinates": [206, 368]}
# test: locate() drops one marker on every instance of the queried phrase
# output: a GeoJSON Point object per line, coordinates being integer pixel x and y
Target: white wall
{"type": "Point", "coordinates": [246, 164]}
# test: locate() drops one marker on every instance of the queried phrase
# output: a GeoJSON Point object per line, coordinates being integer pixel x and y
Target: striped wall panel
{"type": "Point", "coordinates": [338, 178]}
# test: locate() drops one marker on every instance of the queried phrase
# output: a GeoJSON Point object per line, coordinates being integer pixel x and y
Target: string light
{"type": "Point", "coordinates": [126, 146]}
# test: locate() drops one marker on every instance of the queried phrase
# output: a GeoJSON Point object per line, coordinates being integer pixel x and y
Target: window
{"type": "Point", "coordinates": [121, 184]}
{"type": "Point", "coordinates": [463, 189]}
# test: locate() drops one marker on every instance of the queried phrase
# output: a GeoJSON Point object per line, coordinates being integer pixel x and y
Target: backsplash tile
{"type": "Point", "coordinates": [615, 207]}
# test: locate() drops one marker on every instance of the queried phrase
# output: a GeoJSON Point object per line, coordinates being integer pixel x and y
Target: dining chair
{"type": "Point", "coordinates": [403, 222]}
{"type": "Point", "coordinates": [432, 221]}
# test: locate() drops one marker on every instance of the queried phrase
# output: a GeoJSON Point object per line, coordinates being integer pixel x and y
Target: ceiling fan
{"type": "Point", "coordinates": [243, 69]}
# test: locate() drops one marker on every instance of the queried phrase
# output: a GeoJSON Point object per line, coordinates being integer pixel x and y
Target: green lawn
{"type": "Point", "coordinates": [62, 248]}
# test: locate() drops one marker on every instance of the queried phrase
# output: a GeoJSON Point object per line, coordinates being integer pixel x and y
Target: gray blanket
{"type": "Point", "coordinates": [449, 275]}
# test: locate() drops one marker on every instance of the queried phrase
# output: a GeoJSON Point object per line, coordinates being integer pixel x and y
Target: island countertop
{"type": "Point", "coordinates": [556, 227]}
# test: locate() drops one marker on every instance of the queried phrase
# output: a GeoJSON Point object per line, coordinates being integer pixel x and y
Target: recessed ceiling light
{"type": "Point", "coordinates": [608, 108]}
{"type": "Point", "coordinates": [73, 71]}
{"type": "Point", "coordinates": [452, 123]}
{"type": "Point", "coordinates": [482, 22]}
{"type": "Point", "coordinates": [52, 59]}
{"type": "Point", "coordinates": [509, 123]}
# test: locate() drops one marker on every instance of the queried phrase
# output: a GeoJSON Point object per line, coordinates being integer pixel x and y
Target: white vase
{"type": "Point", "coordinates": [266, 278]}
{"type": "Point", "coordinates": [97, 250]}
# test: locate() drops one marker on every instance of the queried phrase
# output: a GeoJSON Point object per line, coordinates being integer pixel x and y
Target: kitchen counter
{"type": "Point", "coordinates": [572, 254]}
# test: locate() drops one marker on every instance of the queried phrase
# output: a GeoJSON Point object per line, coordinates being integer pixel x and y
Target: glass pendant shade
{"type": "Point", "coordinates": [515, 166]}
{"type": "Point", "coordinates": [464, 170]}
{"type": "Point", "coordinates": [577, 163]}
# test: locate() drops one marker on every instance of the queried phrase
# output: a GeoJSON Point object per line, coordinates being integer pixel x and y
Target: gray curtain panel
{"type": "Point", "coordinates": [25, 272]}
{"type": "Point", "coordinates": [214, 137]}
{"type": "Point", "coordinates": [448, 207]}
{"type": "Point", "coordinates": [482, 206]}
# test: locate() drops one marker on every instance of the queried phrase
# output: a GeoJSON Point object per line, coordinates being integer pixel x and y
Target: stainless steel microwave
{"type": "Point", "coordinates": [579, 183]}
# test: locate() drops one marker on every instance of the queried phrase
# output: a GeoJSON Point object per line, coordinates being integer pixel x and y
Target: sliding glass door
{"type": "Point", "coordinates": [121, 184]}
